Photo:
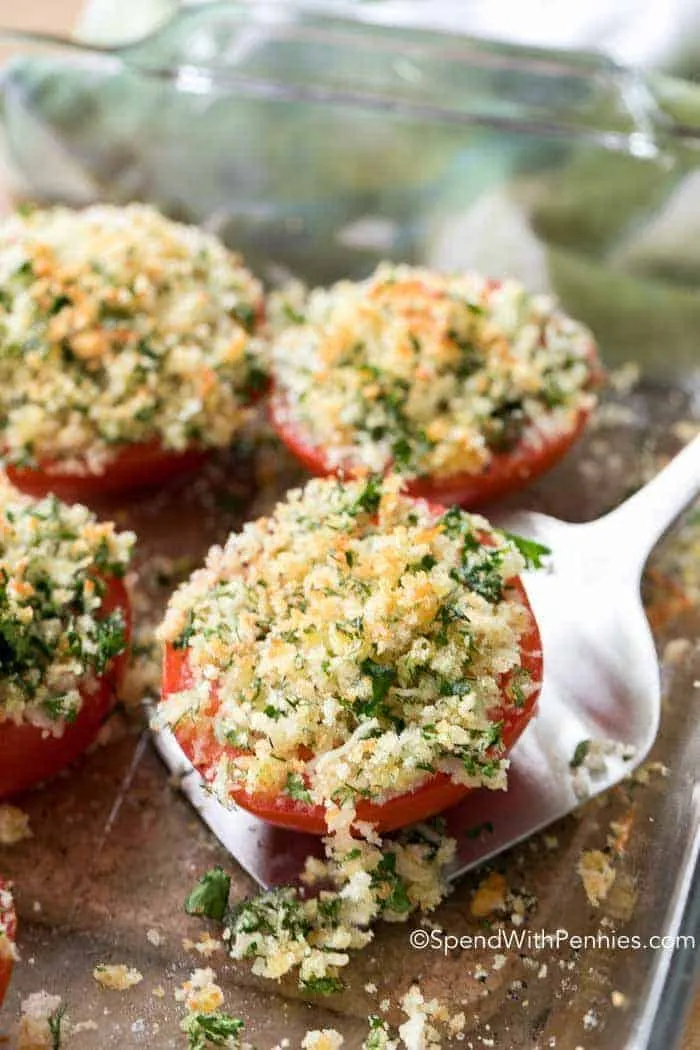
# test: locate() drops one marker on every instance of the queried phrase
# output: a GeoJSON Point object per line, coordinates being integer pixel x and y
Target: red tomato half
{"type": "Point", "coordinates": [133, 467]}
{"type": "Point", "coordinates": [8, 922]}
{"type": "Point", "coordinates": [434, 795]}
{"type": "Point", "coordinates": [534, 454]}
{"type": "Point", "coordinates": [28, 756]}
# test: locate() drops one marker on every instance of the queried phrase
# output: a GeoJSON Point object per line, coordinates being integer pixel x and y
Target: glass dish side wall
{"type": "Point", "coordinates": [319, 147]}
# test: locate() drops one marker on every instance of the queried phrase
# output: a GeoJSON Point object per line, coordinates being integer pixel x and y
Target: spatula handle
{"type": "Point", "coordinates": [634, 527]}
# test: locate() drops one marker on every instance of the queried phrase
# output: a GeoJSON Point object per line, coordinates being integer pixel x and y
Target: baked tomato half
{"type": "Point", "coordinates": [434, 795]}
{"type": "Point", "coordinates": [536, 452]}
{"type": "Point", "coordinates": [29, 754]}
{"type": "Point", "coordinates": [8, 933]}
{"type": "Point", "coordinates": [132, 467]}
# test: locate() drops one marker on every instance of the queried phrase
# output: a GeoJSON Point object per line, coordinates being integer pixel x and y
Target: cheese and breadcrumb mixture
{"type": "Point", "coordinates": [118, 977]}
{"type": "Point", "coordinates": [54, 642]}
{"type": "Point", "coordinates": [428, 373]}
{"type": "Point", "coordinates": [362, 879]}
{"type": "Point", "coordinates": [119, 326]}
{"type": "Point", "coordinates": [354, 627]}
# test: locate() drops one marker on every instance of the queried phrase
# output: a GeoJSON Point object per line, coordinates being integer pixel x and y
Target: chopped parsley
{"type": "Point", "coordinates": [369, 498]}
{"type": "Point", "coordinates": [297, 789]}
{"type": "Point", "coordinates": [210, 896]}
{"type": "Point", "coordinates": [580, 753]}
{"type": "Point", "coordinates": [55, 1022]}
{"type": "Point", "coordinates": [531, 551]}
{"type": "Point", "coordinates": [212, 1029]}
{"type": "Point", "coordinates": [322, 985]}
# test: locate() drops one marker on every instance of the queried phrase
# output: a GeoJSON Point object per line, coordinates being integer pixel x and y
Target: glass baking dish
{"type": "Point", "coordinates": [317, 146]}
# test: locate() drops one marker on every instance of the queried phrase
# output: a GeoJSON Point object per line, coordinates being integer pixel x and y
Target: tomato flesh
{"type": "Point", "coordinates": [27, 755]}
{"type": "Point", "coordinates": [133, 467]}
{"type": "Point", "coordinates": [506, 472]}
{"type": "Point", "coordinates": [8, 922]}
{"type": "Point", "coordinates": [435, 794]}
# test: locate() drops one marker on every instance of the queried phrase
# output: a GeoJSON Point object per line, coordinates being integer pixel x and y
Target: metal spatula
{"type": "Point", "coordinates": [601, 683]}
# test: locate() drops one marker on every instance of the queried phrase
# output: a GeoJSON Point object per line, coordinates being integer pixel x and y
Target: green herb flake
{"type": "Point", "coordinates": [297, 789]}
{"type": "Point", "coordinates": [210, 896]}
{"type": "Point", "coordinates": [322, 985]}
{"type": "Point", "coordinates": [213, 1029]}
{"type": "Point", "coordinates": [55, 1022]}
{"type": "Point", "coordinates": [531, 551]}
{"type": "Point", "coordinates": [370, 497]}
{"type": "Point", "coordinates": [580, 753]}
{"type": "Point", "coordinates": [479, 830]}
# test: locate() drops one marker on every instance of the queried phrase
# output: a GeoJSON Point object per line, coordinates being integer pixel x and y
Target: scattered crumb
{"type": "Point", "coordinates": [118, 977]}
{"type": "Point", "coordinates": [597, 875]}
{"type": "Point", "coordinates": [590, 1021]}
{"type": "Point", "coordinates": [39, 1013]}
{"type": "Point", "coordinates": [619, 1000]}
{"type": "Point", "coordinates": [158, 992]}
{"type": "Point", "coordinates": [427, 1021]}
{"type": "Point", "coordinates": [371, 988]}
{"type": "Point", "coordinates": [644, 773]}
{"type": "Point", "coordinates": [14, 825]}
{"type": "Point", "coordinates": [206, 945]}
{"type": "Point", "coordinates": [200, 992]}
{"type": "Point", "coordinates": [85, 1026]}
{"type": "Point", "coordinates": [154, 937]}
{"type": "Point", "coordinates": [676, 650]}
{"type": "Point", "coordinates": [323, 1039]}
{"type": "Point", "coordinates": [624, 379]}
{"type": "Point", "coordinates": [490, 896]}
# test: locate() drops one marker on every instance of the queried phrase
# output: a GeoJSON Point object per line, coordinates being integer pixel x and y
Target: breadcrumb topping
{"type": "Point", "coordinates": [356, 627]}
{"type": "Point", "coordinates": [428, 373]}
{"type": "Point", "coordinates": [120, 326]}
{"type": "Point", "coordinates": [54, 641]}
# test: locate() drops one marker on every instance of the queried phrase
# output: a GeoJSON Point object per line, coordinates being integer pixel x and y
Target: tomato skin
{"type": "Point", "coordinates": [27, 756]}
{"type": "Point", "coordinates": [435, 794]}
{"type": "Point", "coordinates": [8, 920]}
{"type": "Point", "coordinates": [133, 467]}
{"type": "Point", "coordinates": [507, 472]}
